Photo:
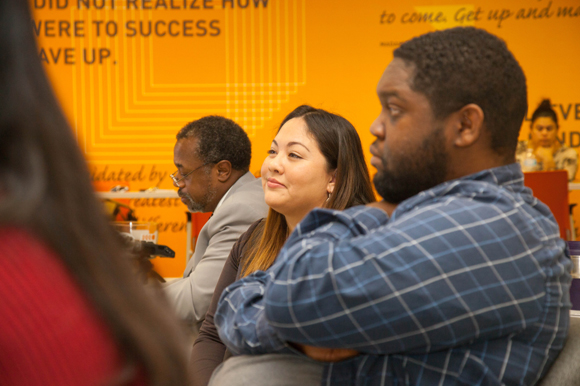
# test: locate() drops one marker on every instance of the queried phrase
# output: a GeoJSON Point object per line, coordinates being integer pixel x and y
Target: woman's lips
{"type": "Point", "coordinates": [273, 183]}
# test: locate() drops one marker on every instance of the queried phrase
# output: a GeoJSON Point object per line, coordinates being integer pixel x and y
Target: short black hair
{"type": "Point", "coordinates": [218, 139]}
{"type": "Point", "coordinates": [464, 65]}
{"type": "Point", "coordinates": [545, 110]}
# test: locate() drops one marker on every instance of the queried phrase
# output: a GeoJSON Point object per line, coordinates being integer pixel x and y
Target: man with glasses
{"type": "Point", "coordinates": [212, 155]}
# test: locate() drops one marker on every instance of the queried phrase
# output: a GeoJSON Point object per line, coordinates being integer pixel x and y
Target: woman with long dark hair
{"type": "Point", "coordinates": [315, 160]}
{"type": "Point", "coordinates": [72, 311]}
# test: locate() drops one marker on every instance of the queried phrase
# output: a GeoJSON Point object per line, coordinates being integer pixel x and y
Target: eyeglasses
{"type": "Point", "coordinates": [176, 181]}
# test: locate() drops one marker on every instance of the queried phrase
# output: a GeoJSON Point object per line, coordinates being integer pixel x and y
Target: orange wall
{"type": "Point", "coordinates": [256, 63]}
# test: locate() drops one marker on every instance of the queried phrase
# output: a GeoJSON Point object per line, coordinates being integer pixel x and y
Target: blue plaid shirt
{"type": "Point", "coordinates": [467, 283]}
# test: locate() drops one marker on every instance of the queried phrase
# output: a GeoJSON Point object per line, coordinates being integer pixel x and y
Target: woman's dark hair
{"type": "Point", "coordinates": [45, 188]}
{"type": "Point", "coordinates": [340, 145]}
{"type": "Point", "coordinates": [545, 110]}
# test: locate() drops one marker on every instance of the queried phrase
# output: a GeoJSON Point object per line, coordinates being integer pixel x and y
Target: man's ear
{"type": "Point", "coordinates": [224, 170]}
{"type": "Point", "coordinates": [468, 125]}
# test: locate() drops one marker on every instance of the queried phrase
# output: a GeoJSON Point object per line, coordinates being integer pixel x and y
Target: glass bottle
{"type": "Point", "coordinates": [530, 162]}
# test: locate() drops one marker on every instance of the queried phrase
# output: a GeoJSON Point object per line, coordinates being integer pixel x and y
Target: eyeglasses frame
{"type": "Point", "coordinates": [176, 181]}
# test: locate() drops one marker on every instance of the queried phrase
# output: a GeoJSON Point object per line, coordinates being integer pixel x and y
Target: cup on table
{"type": "Point", "coordinates": [138, 230]}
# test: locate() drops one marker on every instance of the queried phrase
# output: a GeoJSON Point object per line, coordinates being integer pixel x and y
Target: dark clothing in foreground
{"type": "Point", "coordinates": [466, 283]}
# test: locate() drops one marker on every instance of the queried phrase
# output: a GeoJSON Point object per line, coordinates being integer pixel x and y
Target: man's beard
{"type": "Point", "coordinates": [198, 206]}
{"type": "Point", "coordinates": [411, 174]}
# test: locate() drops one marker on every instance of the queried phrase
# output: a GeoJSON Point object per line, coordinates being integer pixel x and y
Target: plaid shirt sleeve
{"type": "Point", "coordinates": [240, 316]}
{"type": "Point", "coordinates": [466, 282]}
{"type": "Point", "coordinates": [446, 274]}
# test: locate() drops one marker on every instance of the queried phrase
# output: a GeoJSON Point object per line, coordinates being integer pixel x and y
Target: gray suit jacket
{"type": "Point", "coordinates": [243, 205]}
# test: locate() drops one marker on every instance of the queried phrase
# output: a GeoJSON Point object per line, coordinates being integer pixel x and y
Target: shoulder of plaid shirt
{"type": "Point", "coordinates": [466, 283]}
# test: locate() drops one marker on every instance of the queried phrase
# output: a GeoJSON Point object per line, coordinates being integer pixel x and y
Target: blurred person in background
{"type": "Point", "coordinates": [72, 311]}
{"type": "Point", "coordinates": [550, 154]}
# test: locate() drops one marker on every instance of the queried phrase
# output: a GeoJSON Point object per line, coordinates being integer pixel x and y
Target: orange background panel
{"type": "Point", "coordinates": [269, 57]}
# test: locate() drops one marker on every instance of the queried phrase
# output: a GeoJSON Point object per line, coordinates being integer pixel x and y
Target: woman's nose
{"type": "Point", "coordinates": [275, 164]}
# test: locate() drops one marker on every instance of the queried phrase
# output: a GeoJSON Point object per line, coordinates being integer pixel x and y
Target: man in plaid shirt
{"type": "Point", "coordinates": [465, 282]}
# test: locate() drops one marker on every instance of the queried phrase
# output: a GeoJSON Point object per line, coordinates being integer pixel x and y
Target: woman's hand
{"type": "Point", "coordinates": [545, 155]}
{"type": "Point", "coordinates": [322, 354]}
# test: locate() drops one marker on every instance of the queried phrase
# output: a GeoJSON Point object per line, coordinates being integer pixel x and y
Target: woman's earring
{"type": "Point", "coordinates": [327, 196]}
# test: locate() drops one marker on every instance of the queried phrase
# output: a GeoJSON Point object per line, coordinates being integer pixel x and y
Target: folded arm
{"type": "Point", "coordinates": [240, 316]}
{"type": "Point", "coordinates": [445, 275]}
